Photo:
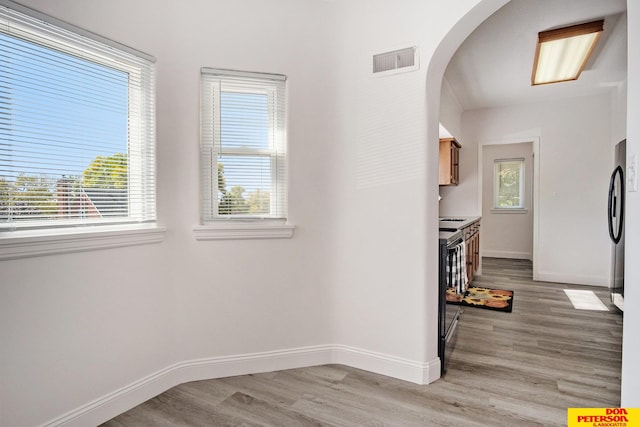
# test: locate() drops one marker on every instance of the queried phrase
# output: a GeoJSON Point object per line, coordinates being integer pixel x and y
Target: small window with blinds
{"type": "Point", "coordinates": [243, 145]}
{"type": "Point", "coordinates": [76, 128]}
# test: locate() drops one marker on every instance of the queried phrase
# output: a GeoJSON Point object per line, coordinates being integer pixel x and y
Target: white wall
{"type": "Point", "coordinates": [630, 342]}
{"type": "Point", "coordinates": [77, 327]}
{"type": "Point", "coordinates": [575, 161]}
{"type": "Point", "coordinates": [619, 93]}
{"type": "Point", "coordinates": [619, 113]}
{"type": "Point", "coordinates": [108, 328]}
{"type": "Point", "coordinates": [379, 159]}
{"type": "Point", "coordinates": [462, 199]}
{"type": "Point", "coordinates": [450, 110]}
{"type": "Point", "coordinates": [361, 270]}
{"type": "Point", "coordinates": [385, 157]}
{"type": "Point", "coordinates": [507, 234]}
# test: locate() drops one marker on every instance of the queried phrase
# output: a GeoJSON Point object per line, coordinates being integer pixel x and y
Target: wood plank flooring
{"type": "Point", "coordinates": [523, 368]}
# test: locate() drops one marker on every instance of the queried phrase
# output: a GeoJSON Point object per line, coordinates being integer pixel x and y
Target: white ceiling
{"type": "Point", "coordinates": [492, 68]}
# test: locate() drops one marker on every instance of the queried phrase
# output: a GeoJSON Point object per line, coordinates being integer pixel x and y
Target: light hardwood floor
{"type": "Point", "coordinates": [523, 368]}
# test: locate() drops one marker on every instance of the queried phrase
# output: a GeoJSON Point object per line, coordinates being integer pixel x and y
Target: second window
{"type": "Point", "coordinates": [509, 184]}
{"type": "Point", "coordinates": [243, 145]}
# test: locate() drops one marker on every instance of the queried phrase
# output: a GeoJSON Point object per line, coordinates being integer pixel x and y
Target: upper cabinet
{"type": "Point", "coordinates": [449, 161]}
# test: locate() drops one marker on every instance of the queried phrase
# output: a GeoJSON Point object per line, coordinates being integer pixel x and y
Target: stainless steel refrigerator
{"type": "Point", "coordinates": [616, 219]}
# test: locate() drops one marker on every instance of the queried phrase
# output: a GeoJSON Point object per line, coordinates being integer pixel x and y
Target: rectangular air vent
{"type": "Point", "coordinates": [396, 60]}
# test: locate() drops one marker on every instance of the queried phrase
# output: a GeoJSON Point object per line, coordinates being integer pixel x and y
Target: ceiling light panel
{"type": "Point", "coordinates": [562, 54]}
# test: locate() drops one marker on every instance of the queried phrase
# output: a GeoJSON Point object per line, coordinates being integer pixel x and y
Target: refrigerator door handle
{"type": "Point", "coordinates": [616, 235]}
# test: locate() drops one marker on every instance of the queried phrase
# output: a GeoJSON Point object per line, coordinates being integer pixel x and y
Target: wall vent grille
{"type": "Point", "coordinates": [395, 60]}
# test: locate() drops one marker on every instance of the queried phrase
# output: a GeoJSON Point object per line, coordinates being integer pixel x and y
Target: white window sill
{"type": "Point", "coordinates": [232, 230]}
{"type": "Point", "coordinates": [30, 243]}
{"type": "Point", "coordinates": [510, 211]}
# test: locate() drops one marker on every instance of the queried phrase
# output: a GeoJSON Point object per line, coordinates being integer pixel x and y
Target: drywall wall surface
{"type": "Point", "coordinates": [619, 113]}
{"type": "Point", "coordinates": [385, 158]}
{"type": "Point", "coordinates": [450, 110]}
{"type": "Point", "coordinates": [630, 343]}
{"type": "Point", "coordinates": [507, 233]}
{"type": "Point", "coordinates": [575, 161]}
{"type": "Point", "coordinates": [77, 327]}
{"type": "Point", "coordinates": [361, 269]}
{"type": "Point", "coordinates": [82, 326]}
{"type": "Point", "coordinates": [462, 199]}
{"type": "Point", "coordinates": [619, 91]}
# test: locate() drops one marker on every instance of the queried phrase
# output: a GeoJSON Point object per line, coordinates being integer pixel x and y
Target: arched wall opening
{"type": "Point", "coordinates": [630, 390]}
{"type": "Point", "coordinates": [435, 73]}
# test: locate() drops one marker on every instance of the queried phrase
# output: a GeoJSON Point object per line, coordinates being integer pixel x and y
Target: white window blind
{"type": "Point", "coordinates": [77, 130]}
{"type": "Point", "coordinates": [243, 145]}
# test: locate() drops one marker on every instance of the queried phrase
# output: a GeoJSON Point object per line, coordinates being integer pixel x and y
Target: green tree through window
{"type": "Point", "coordinates": [509, 183]}
{"type": "Point", "coordinates": [243, 145]}
{"type": "Point", "coordinates": [237, 201]}
{"type": "Point", "coordinates": [107, 172]}
{"type": "Point", "coordinates": [76, 120]}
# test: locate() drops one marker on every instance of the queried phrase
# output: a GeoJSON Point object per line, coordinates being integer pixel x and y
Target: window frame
{"type": "Point", "coordinates": [521, 185]}
{"type": "Point", "coordinates": [34, 238]}
{"type": "Point", "coordinates": [213, 225]}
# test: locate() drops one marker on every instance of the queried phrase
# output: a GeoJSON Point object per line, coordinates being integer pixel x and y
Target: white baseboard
{"type": "Point", "coordinates": [546, 276]}
{"type": "Point", "coordinates": [112, 404]}
{"type": "Point", "coordinates": [507, 254]}
{"type": "Point", "coordinates": [403, 369]}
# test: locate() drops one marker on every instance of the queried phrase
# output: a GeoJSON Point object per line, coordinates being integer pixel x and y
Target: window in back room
{"type": "Point", "coordinates": [509, 184]}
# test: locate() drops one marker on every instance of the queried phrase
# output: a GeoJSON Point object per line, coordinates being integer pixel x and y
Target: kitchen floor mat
{"type": "Point", "coordinates": [491, 299]}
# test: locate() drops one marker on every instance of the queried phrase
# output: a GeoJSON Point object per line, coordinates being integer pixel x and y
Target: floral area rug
{"type": "Point", "coordinates": [491, 299]}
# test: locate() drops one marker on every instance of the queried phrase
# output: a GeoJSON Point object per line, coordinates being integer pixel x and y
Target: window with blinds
{"type": "Point", "coordinates": [77, 135]}
{"type": "Point", "coordinates": [243, 145]}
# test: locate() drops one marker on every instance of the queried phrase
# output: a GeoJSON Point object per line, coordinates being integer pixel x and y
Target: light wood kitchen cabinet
{"type": "Point", "coordinates": [449, 161]}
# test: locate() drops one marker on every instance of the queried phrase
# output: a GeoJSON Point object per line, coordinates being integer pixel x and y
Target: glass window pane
{"type": "Point", "coordinates": [244, 120]}
{"type": "Point", "coordinates": [508, 184]}
{"type": "Point", "coordinates": [243, 143]}
{"type": "Point", "coordinates": [244, 185]}
{"type": "Point", "coordinates": [63, 135]}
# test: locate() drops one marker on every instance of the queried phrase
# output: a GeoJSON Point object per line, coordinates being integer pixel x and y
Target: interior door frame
{"type": "Point", "coordinates": [535, 142]}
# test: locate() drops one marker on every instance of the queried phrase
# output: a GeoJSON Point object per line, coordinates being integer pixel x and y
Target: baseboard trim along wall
{"type": "Point", "coordinates": [125, 398]}
{"type": "Point", "coordinates": [403, 369]}
{"type": "Point", "coordinates": [546, 276]}
{"type": "Point", "coordinates": [507, 254]}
